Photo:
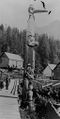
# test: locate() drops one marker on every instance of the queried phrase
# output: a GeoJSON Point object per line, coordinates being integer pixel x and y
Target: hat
{"type": "Point", "coordinates": [22, 68]}
{"type": "Point", "coordinates": [30, 85]}
{"type": "Point", "coordinates": [29, 65]}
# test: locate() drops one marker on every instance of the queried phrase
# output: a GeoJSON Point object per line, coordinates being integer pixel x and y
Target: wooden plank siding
{"type": "Point", "coordinates": [57, 72]}
{"type": "Point", "coordinates": [11, 60]}
{"type": "Point", "coordinates": [4, 62]}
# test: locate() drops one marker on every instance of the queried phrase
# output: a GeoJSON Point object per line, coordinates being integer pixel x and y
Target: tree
{"type": "Point", "coordinates": [9, 36]}
{"type": "Point", "coordinates": [53, 57]}
{"type": "Point", "coordinates": [24, 47]}
{"type": "Point", "coordinates": [43, 49]}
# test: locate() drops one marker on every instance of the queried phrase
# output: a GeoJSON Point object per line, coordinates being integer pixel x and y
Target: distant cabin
{"type": "Point", "coordinates": [11, 60]}
{"type": "Point", "coordinates": [57, 72]}
{"type": "Point", "coordinates": [48, 71]}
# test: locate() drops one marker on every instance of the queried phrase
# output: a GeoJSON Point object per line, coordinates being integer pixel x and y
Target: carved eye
{"type": "Point", "coordinates": [30, 9]}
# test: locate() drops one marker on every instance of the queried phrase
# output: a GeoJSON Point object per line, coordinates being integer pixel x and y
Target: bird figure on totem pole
{"type": "Point", "coordinates": [43, 4]}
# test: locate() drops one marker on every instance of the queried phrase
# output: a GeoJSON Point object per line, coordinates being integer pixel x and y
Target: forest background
{"type": "Point", "coordinates": [14, 41]}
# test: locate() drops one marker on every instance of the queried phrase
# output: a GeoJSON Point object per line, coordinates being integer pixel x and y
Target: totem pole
{"type": "Point", "coordinates": [31, 42]}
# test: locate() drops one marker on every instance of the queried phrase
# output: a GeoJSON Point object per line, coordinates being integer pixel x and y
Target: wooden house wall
{"type": "Point", "coordinates": [19, 64]}
{"type": "Point", "coordinates": [47, 72]}
{"type": "Point", "coordinates": [12, 63]}
{"type": "Point", "coordinates": [57, 72]}
{"type": "Point", "coordinates": [15, 63]}
{"type": "Point", "coordinates": [4, 62]}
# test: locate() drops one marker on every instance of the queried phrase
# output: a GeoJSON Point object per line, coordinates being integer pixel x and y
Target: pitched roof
{"type": "Point", "coordinates": [57, 65]}
{"type": "Point", "coordinates": [52, 66]}
{"type": "Point", "coordinates": [13, 56]}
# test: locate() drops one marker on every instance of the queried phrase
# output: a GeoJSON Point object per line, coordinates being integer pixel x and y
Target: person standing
{"type": "Point", "coordinates": [7, 82]}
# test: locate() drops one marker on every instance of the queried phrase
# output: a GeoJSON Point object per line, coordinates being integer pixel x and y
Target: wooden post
{"type": "Point", "coordinates": [33, 61]}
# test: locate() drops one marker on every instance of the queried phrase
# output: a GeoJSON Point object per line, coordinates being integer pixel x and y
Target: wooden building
{"type": "Point", "coordinates": [57, 72]}
{"type": "Point", "coordinates": [48, 71]}
{"type": "Point", "coordinates": [11, 60]}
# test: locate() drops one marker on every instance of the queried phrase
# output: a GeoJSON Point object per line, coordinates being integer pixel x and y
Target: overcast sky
{"type": "Point", "coordinates": [15, 12]}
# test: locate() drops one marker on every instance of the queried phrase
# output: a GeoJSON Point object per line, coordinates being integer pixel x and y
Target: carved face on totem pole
{"type": "Point", "coordinates": [31, 27]}
{"type": "Point", "coordinates": [31, 9]}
